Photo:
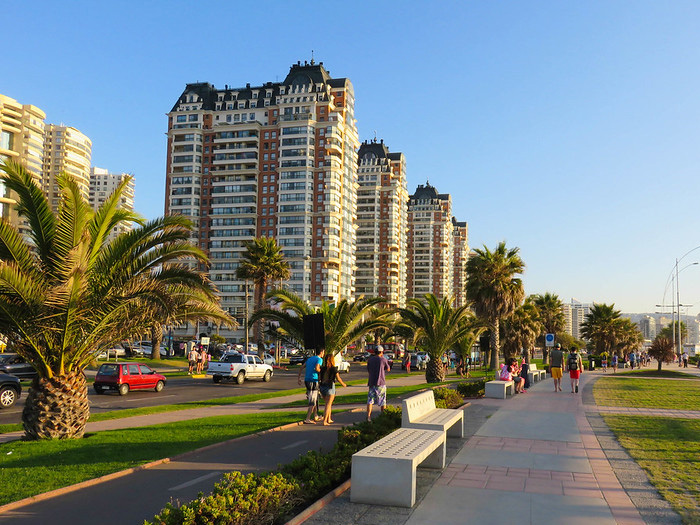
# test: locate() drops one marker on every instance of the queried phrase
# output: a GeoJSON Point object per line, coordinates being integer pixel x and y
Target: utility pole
{"type": "Point", "coordinates": [246, 316]}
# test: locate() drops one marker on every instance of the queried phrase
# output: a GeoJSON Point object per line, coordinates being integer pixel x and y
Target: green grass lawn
{"type": "Point", "coordinates": [648, 372]}
{"type": "Point", "coordinates": [34, 467]}
{"type": "Point", "coordinates": [647, 393]}
{"type": "Point", "coordinates": [669, 451]}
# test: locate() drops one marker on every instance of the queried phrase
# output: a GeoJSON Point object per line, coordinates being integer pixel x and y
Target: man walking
{"type": "Point", "coordinates": [555, 367]}
{"type": "Point", "coordinates": [575, 366]}
{"type": "Point", "coordinates": [311, 368]}
{"type": "Point", "coordinates": [377, 366]}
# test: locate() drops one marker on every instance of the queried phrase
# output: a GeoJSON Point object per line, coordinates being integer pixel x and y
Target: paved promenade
{"type": "Point", "coordinates": [531, 459]}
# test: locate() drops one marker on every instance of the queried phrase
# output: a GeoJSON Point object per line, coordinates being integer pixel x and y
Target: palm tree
{"type": "Point", "coordinates": [67, 290]}
{"type": "Point", "coordinates": [551, 316]}
{"type": "Point", "coordinates": [193, 302]}
{"type": "Point", "coordinates": [520, 329]}
{"type": "Point", "coordinates": [628, 337]}
{"type": "Point", "coordinates": [493, 288]}
{"type": "Point", "coordinates": [662, 349]}
{"type": "Point", "coordinates": [343, 322]}
{"type": "Point", "coordinates": [475, 327]}
{"type": "Point", "coordinates": [437, 327]}
{"type": "Point", "coordinates": [600, 327]}
{"type": "Point", "coordinates": [262, 262]}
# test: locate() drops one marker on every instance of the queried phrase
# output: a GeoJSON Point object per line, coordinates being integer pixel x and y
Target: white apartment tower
{"type": "Point", "coordinates": [102, 185]}
{"type": "Point", "coordinates": [21, 140]}
{"type": "Point", "coordinates": [65, 150]}
{"type": "Point", "coordinates": [382, 224]}
{"type": "Point", "coordinates": [277, 160]}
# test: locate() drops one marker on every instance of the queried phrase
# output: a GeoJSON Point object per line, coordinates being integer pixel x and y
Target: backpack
{"type": "Point", "coordinates": [573, 362]}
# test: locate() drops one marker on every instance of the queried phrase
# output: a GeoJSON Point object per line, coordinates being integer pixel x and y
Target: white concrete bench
{"type": "Point", "coordinates": [384, 473]}
{"type": "Point", "coordinates": [536, 375]}
{"type": "Point", "coordinates": [419, 412]}
{"type": "Point", "coordinates": [499, 389]}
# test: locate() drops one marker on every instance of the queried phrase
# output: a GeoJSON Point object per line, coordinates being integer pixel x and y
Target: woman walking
{"type": "Point", "coordinates": [329, 375]}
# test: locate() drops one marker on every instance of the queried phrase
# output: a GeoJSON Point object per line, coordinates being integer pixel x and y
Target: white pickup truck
{"type": "Point", "coordinates": [239, 367]}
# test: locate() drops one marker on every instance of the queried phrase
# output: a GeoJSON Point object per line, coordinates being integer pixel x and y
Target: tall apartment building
{"type": "Point", "coordinates": [102, 184]}
{"type": "Point", "coordinates": [647, 325]}
{"type": "Point", "coordinates": [22, 140]}
{"type": "Point", "coordinates": [277, 160]}
{"type": "Point", "coordinates": [430, 244]}
{"type": "Point", "coordinates": [382, 224]}
{"type": "Point", "coordinates": [460, 234]}
{"type": "Point", "coordinates": [65, 149]}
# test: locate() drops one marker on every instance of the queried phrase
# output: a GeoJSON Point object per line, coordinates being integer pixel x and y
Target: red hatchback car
{"type": "Point", "coordinates": [123, 377]}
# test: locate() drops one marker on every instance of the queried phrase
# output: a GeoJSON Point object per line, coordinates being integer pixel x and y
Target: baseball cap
{"type": "Point", "coordinates": [379, 349]}
{"type": "Point", "coordinates": [558, 345]}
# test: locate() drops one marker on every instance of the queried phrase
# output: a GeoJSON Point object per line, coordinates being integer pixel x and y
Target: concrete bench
{"type": "Point", "coordinates": [536, 375]}
{"type": "Point", "coordinates": [384, 473]}
{"type": "Point", "coordinates": [419, 412]}
{"type": "Point", "coordinates": [499, 389]}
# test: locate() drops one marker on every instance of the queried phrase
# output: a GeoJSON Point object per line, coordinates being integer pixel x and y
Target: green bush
{"type": "Point", "coordinates": [271, 497]}
{"type": "Point", "coordinates": [472, 388]}
{"type": "Point", "coordinates": [237, 499]}
{"type": "Point", "coordinates": [447, 398]}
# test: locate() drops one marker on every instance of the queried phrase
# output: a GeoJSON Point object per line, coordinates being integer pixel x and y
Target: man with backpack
{"type": "Point", "coordinates": [575, 366]}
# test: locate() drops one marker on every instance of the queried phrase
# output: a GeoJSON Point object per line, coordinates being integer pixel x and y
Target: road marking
{"type": "Point", "coordinates": [295, 444]}
{"type": "Point", "coordinates": [195, 481]}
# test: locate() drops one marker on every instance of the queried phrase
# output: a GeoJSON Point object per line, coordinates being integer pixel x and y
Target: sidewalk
{"type": "Point", "coordinates": [530, 459]}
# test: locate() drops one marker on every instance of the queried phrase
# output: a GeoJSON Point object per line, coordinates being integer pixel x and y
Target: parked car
{"type": "Point", "coordinates": [123, 377]}
{"type": "Point", "coordinates": [115, 351]}
{"type": "Point", "coordinates": [10, 390]}
{"type": "Point", "coordinates": [269, 359]}
{"type": "Point", "coordinates": [362, 356]}
{"type": "Point", "coordinates": [15, 365]}
{"type": "Point", "coordinates": [297, 359]}
{"type": "Point", "coordinates": [147, 350]}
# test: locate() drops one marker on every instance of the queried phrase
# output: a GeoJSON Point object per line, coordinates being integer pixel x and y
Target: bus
{"type": "Point", "coordinates": [395, 348]}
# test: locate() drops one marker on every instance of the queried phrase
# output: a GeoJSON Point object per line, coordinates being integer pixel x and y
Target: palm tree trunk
{"type": "Point", "coordinates": [434, 371]}
{"type": "Point", "coordinates": [56, 408]}
{"type": "Point", "coordinates": [494, 344]}
{"type": "Point", "coordinates": [260, 290]}
{"type": "Point", "coordinates": [156, 339]}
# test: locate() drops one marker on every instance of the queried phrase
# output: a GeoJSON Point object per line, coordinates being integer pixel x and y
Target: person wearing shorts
{"type": "Point", "coordinates": [556, 365]}
{"type": "Point", "coordinates": [574, 365]}
{"type": "Point", "coordinates": [377, 366]}
{"type": "Point", "coordinates": [312, 368]}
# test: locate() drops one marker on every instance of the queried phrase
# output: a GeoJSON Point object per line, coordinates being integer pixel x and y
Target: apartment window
{"type": "Point", "coordinates": [267, 134]}
{"type": "Point", "coordinates": [182, 118]}
{"type": "Point", "coordinates": [252, 116]}
{"type": "Point", "coordinates": [193, 118]}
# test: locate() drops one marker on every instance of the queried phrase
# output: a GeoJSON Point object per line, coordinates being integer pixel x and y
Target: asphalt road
{"type": "Point", "coordinates": [183, 389]}
{"type": "Point", "coordinates": [141, 495]}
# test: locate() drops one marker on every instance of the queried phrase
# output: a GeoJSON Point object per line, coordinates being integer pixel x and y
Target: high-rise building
{"type": "Point", "coordinates": [22, 140]}
{"type": "Point", "coordinates": [430, 244]}
{"type": "Point", "coordinates": [647, 325]}
{"type": "Point", "coordinates": [566, 310]}
{"type": "Point", "coordinates": [460, 233]}
{"type": "Point", "coordinates": [277, 160]}
{"type": "Point", "coordinates": [579, 311]}
{"type": "Point", "coordinates": [382, 224]}
{"type": "Point", "coordinates": [65, 150]}
{"type": "Point", "coordinates": [102, 184]}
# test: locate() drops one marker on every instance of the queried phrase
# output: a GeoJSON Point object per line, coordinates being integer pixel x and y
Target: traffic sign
{"type": "Point", "coordinates": [549, 339]}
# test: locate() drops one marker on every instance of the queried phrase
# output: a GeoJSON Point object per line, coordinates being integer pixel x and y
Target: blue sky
{"type": "Point", "coordinates": [568, 129]}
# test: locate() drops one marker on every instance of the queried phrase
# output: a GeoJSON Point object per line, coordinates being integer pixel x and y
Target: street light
{"type": "Point", "coordinates": [677, 304]}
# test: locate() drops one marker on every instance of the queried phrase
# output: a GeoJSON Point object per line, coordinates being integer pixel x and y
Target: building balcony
{"type": "Point", "coordinates": [295, 117]}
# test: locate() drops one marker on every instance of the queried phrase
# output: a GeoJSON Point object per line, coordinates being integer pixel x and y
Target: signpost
{"type": "Point", "coordinates": [549, 339]}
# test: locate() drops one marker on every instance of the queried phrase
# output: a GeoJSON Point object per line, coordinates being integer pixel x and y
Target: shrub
{"type": "Point", "coordinates": [269, 497]}
{"type": "Point", "coordinates": [447, 398]}
{"type": "Point", "coordinates": [474, 388]}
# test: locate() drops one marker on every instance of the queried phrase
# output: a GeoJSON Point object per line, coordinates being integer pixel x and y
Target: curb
{"type": "Point", "coordinates": [114, 475]}
{"type": "Point", "coordinates": [319, 504]}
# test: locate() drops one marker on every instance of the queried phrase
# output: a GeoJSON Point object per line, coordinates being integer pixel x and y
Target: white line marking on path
{"type": "Point", "coordinates": [195, 481]}
{"type": "Point", "coordinates": [295, 444]}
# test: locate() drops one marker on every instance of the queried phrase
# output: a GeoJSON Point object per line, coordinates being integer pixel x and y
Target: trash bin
{"type": "Point", "coordinates": [591, 363]}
